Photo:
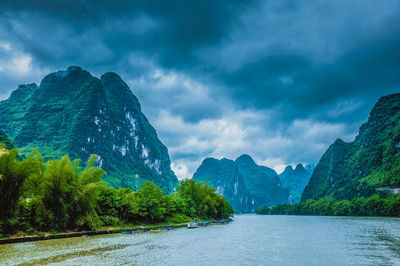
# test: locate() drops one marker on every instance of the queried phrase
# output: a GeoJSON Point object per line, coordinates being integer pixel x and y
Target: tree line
{"type": "Point", "coordinates": [375, 205]}
{"type": "Point", "coordinates": [39, 196]}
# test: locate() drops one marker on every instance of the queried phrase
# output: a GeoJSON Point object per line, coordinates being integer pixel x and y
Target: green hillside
{"type": "Point", "coordinates": [371, 161]}
{"type": "Point", "coordinates": [74, 113]}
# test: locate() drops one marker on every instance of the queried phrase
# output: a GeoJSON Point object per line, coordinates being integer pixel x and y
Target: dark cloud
{"type": "Point", "coordinates": [366, 72]}
{"type": "Point", "coordinates": [169, 30]}
{"type": "Point", "coordinates": [220, 77]}
{"type": "Point", "coordinates": [306, 66]}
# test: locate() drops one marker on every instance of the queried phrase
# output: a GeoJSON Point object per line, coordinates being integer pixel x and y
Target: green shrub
{"type": "Point", "coordinates": [110, 220]}
{"type": "Point", "coordinates": [178, 218]}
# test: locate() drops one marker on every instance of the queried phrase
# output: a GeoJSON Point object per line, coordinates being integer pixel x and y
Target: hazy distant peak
{"type": "Point", "coordinates": [300, 167]}
{"type": "Point", "coordinates": [288, 168]}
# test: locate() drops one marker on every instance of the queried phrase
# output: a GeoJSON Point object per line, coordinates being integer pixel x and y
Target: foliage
{"type": "Point", "coordinates": [60, 195]}
{"type": "Point", "coordinates": [263, 210]}
{"type": "Point", "coordinates": [202, 201]}
{"type": "Point", "coordinates": [178, 218]}
{"type": "Point", "coordinates": [388, 205]}
{"type": "Point", "coordinates": [6, 142]}
{"type": "Point", "coordinates": [152, 203]}
{"type": "Point", "coordinates": [13, 173]}
{"type": "Point", "coordinates": [64, 196]}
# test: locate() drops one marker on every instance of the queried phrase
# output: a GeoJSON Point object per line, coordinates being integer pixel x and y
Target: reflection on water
{"type": "Point", "coordinates": [249, 240]}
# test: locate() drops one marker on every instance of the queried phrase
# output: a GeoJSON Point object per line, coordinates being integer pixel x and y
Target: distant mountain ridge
{"type": "Point", "coordinates": [73, 112]}
{"type": "Point", "coordinates": [352, 169]}
{"type": "Point", "coordinates": [295, 179]}
{"type": "Point", "coordinates": [224, 175]}
{"type": "Point", "coordinates": [262, 182]}
{"type": "Point", "coordinates": [245, 184]}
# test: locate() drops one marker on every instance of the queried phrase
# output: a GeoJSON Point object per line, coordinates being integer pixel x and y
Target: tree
{"type": "Point", "coordinates": [204, 200]}
{"type": "Point", "coordinates": [152, 205]}
{"type": "Point", "coordinates": [263, 210]}
{"type": "Point", "coordinates": [13, 173]}
{"type": "Point", "coordinates": [66, 197]}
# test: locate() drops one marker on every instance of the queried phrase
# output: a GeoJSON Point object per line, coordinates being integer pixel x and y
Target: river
{"type": "Point", "coordinates": [248, 240]}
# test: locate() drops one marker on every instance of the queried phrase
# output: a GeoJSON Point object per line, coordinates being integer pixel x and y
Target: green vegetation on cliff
{"type": "Point", "coordinates": [59, 195]}
{"type": "Point", "coordinates": [371, 161]}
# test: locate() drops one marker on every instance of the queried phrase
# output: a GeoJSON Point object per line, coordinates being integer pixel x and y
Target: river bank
{"type": "Point", "coordinates": [101, 231]}
{"type": "Point", "coordinates": [104, 230]}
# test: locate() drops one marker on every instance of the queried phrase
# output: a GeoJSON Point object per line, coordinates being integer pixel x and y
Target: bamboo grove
{"type": "Point", "coordinates": [58, 195]}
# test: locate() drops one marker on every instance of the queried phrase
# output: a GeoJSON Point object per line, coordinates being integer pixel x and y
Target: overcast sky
{"type": "Point", "coordinates": [279, 80]}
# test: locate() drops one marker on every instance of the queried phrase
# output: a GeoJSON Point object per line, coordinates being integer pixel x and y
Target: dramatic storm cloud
{"type": "Point", "coordinates": [279, 80]}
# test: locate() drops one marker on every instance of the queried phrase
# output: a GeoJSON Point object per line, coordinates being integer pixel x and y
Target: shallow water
{"type": "Point", "coordinates": [248, 240]}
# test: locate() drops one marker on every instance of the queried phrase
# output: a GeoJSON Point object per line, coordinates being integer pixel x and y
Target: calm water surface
{"type": "Point", "coordinates": [249, 240]}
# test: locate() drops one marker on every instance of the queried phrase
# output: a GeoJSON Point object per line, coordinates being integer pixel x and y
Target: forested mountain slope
{"type": "Point", "coordinates": [372, 160]}
{"type": "Point", "coordinates": [76, 113]}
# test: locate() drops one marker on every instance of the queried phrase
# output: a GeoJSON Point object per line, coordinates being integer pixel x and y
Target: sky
{"type": "Point", "coordinates": [279, 80]}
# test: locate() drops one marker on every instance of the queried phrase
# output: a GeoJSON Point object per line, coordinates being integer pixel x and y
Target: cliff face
{"type": "Point", "coordinates": [73, 112]}
{"type": "Point", "coordinates": [372, 160]}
